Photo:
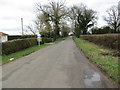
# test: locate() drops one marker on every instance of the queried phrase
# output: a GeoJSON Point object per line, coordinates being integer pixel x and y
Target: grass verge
{"type": "Point", "coordinates": [107, 63]}
{"type": "Point", "coordinates": [6, 58]}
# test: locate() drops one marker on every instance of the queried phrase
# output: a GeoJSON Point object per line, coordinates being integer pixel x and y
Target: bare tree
{"type": "Point", "coordinates": [55, 12]}
{"type": "Point", "coordinates": [31, 29]}
{"type": "Point", "coordinates": [112, 17]}
{"type": "Point", "coordinates": [82, 19]}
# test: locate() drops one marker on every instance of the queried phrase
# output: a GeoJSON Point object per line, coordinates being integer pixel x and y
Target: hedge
{"type": "Point", "coordinates": [12, 37]}
{"type": "Point", "coordinates": [111, 41]}
{"type": "Point", "coordinates": [47, 40]}
{"type": "Point", "coordinates": [17, 45]}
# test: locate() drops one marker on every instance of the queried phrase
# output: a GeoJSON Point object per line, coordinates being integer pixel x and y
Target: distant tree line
{"type": "Point", "coordinates": [55, 19]}
{"type": "Point", "coordinates": [102, 30]}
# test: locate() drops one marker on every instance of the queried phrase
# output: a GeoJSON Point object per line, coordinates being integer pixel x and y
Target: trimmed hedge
{"type": "Point", "coordinates": [111, 41]}
{"type": "Point", "coordinates": [17, 45]}
{"type": "Point", "coordinates": [12, 37]}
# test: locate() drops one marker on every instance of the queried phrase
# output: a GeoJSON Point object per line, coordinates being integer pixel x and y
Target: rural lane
{"type": "Point", "coordinates": [59, 65]}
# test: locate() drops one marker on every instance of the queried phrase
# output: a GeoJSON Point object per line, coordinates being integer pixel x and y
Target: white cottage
{"type": "Point", "coordinates": [3, 37]}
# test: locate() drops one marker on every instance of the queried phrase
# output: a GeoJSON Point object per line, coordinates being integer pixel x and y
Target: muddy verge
{"type": "Point", "coordinates": [113, 53]}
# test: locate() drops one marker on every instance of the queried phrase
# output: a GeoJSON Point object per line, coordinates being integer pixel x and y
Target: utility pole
{"type": "Point", "coordinates": [22, 25]}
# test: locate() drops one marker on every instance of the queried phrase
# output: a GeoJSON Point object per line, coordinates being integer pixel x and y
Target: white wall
{"type": "Point", "coordinates": [3, 38]}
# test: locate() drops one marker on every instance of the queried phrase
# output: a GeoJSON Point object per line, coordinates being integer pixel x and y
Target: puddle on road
{"type": "Point", "coordinates": [92, 79]}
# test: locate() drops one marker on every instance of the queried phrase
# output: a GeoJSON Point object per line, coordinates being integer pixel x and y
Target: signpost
{"type": "Point", "coordinates": [22, 25]}
{"type": "Point", "coordinates": [39, 38]}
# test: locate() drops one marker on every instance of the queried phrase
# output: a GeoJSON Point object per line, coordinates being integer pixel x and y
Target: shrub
{"type": "Point", "coordinates": [107, 40]}
{"type": "Point", "coordinates": [12, 37]}
{"type": "Point", "coordinates": [17, 45]}
{"type": "Point", "coordinates": [28, 36]}
{"type": "Point", "coordinates": [47, 40]}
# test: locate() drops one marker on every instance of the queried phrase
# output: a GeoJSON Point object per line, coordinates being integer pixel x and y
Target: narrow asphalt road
{"type": "Point", "coordinates": [60, 65]}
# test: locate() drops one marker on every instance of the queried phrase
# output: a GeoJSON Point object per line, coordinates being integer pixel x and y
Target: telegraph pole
{"type": "Point", "coordinates": [22, 25]}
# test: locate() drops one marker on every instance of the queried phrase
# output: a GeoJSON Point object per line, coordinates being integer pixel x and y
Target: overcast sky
{"type": "Point", "coordinates": [11, 12]}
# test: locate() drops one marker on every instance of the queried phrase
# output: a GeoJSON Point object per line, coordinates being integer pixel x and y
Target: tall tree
{"type": "Point", "coordinates": [82, 18]}
{"type": "Point", "coordinates": [55, 11]}
{"type": "Point", "coordinates": [75, 14]}
{"type": "Point", "coordinates": [112, 17]}
{"type": "Point", "coordinates": [88, 19]}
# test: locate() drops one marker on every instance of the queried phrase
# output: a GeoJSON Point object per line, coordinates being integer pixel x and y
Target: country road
{"type": "Point", "coordinates": [59, 65]}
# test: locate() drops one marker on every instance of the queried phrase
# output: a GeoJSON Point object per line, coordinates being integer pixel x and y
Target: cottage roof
{"type": "Point", "coordinates": [1, 33]}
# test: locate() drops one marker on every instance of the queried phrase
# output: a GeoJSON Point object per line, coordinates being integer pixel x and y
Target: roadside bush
{"type": "Point", "coordinates": [17, 45]}
{"type": "Point", "coordinates": [12, 37]}
{"type": "Point", "coordinates": [47, 40]}
{"type": "Point", "coordinates": [107, 40]}
{"type": "Point", "coordinates": [28, 36]}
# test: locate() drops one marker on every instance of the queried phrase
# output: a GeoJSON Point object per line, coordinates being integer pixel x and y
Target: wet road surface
{"type": "Point", "coordinates": [60, 65]}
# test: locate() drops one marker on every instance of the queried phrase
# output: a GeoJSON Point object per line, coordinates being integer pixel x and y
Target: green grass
{"type": "Point", "coordinates": [6, 58]}
{"type": "Point", "coordinates": [107, 63]}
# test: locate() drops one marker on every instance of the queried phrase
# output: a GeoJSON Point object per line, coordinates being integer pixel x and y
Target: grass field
{"type": "Point", "coordinates": [107, 63]}
{"type": "Point", "coordinates": [14, 56]}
